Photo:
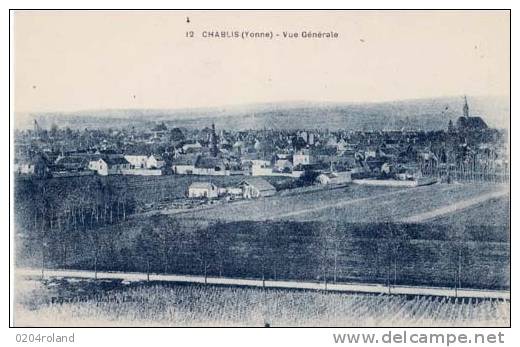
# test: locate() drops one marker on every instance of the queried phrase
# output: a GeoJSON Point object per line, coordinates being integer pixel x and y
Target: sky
{"type": "Point", "coordinates": [69, 61]}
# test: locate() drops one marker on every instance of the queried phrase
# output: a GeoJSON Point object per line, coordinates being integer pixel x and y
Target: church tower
{"type": "Point", "coordinates": [465, 108]}
{"type": "Point", "coordinates": [451, 128]}
{"type": "Point", "coordinates": [214, 149]}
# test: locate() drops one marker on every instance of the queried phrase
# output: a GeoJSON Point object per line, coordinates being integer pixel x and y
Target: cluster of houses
{"type": "Point", "coordinates": [256, 187]}
{"type": "Point", "coordinates": [249, 188]}
{"type": "Point", "coordinates": [395, 154]}
{"type": "Point", "coordinates": [82, 164]}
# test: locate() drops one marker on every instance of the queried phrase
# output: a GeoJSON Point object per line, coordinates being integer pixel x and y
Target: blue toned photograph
{"type": "Point", "coordinates": [261, 168]}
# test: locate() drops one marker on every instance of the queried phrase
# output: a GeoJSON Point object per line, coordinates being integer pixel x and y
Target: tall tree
{"type": "Point", "coordinates": [146, 247]}
{"type": "Point", "coordinates": [206, 244]}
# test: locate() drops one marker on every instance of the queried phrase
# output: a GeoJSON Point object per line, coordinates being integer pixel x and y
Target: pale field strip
{"type": "Point", "coordinates": [343, 287]}
{"type": "Point", "coordinates": [325, 204]}
{"type": "Point", "coordinates": [268, 207]}
{"type": "Point", "coordinates": [459, 205]}
{"type": "Point", "coordinates": [375, 197]}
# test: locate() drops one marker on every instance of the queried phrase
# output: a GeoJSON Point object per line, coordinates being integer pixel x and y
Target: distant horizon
{"type": "Point", "coordinates": [494, 109]}
{"type": "Point", "coordinates": [289, 103]}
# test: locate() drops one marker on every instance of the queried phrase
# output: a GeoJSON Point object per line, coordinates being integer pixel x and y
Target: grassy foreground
{"type": "Point", "coordinates": [81, 302]}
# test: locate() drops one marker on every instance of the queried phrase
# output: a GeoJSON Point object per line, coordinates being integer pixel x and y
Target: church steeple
{"type": "Point", "coordinates": [451, 128]}
{"type": "Point", "coordinates": [465, 109]}
{"type": "Point", "coordinates": [214, 148]}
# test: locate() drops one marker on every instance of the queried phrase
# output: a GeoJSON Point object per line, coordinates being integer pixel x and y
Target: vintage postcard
{"type": "Point", "coordinates": [261, 168]}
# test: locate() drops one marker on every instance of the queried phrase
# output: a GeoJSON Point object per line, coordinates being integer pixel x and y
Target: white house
{"type": "Point", "coordinates": [25, 168]}
{"type": "Point", "coordinates": [302, 157]}
{"type": "Point", "coordinates": [327, 178]}
{"type": "Point", "coordinates": [260, 163]}
{"type": "Point", "coordinates": [283, 165]}
{"type": "Point", "coordinates": [183, 165]}
{"type": "Point", "coordinates": [154, 162]}
{"type": "Point", "coordinates": [203, 190]}
{"type": "Point", "coordinates": [37, 166]}
{"type": "Point", "coordinates": [30, 169]}
{"type": "Point", "coordinates": [256, 187]}
{"type": "Point", "coordinates": [261, 167]}
{"type": "Point", "coordinates": [370, 153]}
{"type": "Point", "coordinates": [137, 161]}
{"type": "Point", "coordinates": [234, 191]}
{"type": "Point", "coordinates": [109, 166]}
{"type": "Point", "coordinates": [97, 165]}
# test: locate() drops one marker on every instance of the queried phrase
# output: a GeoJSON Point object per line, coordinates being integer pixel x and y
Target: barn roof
{"type": "Point", "coordinates": [328, 174]}
{"type": "Point", "coordinates": [259, 183]}
{"type": "Point", "coordinates": [115, 161]}
{"type": "Point", "coordinates": [157, 157]}
{"type": "Point", "coordinates": [72, 162]}
{"type": "Point", "coordinates": [136, 157]}
{"type": "Point", "coordinates": [201, 185]}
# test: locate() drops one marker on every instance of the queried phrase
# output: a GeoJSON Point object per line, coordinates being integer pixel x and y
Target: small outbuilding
{"type": "Point", "coordinates": [183, 165]}
{"type": "Point", "coordinates": [109, 165]}
{"type": "Point", "coordinates": [327, 178]}
{"type": "Point", "coordinates": [203, 190]}
{"type": "Point", "coordinates": [256, 187]}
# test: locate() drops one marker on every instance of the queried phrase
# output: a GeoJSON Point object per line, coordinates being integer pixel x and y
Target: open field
{"type": "Point", "coordinates": [493, 212]}
{"type": "Point", "coordinates": [80, 302]}
{"type": "Point", "coordinates": [295, 249]}
{"type": "Point", "coordinates": [353, 204]}
{"type": "Point", "coordinates": [349, 234]}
